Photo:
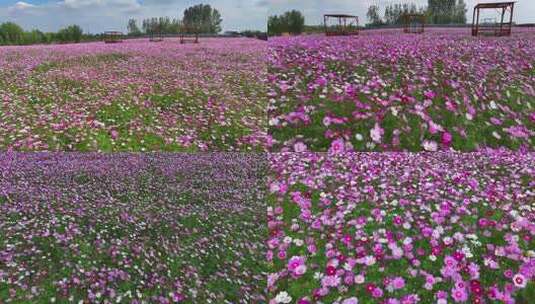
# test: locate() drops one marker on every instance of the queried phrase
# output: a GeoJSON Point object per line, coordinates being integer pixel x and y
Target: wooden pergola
{"type": "Point", "coordinates": [189, 33]}
{"type": "Point", "coordinates": [192, 38]}
{"type": "Point", "coordinates": [346, 25]}
{"type": "Point", "coordinates": [113, 37]}
{"type": "Point", "coordinates": [503, 28]}
{"type": "Point", "coordinates": [414, 23]}
{"type": "Point", "coordinates": [156, 36]}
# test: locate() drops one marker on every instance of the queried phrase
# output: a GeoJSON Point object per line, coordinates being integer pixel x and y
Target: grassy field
{"type": "Point", "coordinates": [134, 96]}
{"type": "Point", "coordinates": [401, 228]}
{"type": "Point", "coordinates": [388, 91]}
{"type": "Point", "coordinates": [130, 228]}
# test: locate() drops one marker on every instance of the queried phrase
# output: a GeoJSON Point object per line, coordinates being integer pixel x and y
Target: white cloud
{"type": "Point", "coordinates": [20, 6]}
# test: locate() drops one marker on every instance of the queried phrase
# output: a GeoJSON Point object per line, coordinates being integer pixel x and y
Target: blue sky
{"type": "Point", "coordinates": [101, 15]}
{"type": "Point", "coordinates": [314, 9]}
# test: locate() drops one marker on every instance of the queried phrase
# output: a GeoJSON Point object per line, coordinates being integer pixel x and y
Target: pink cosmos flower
{"type": "Point", "coordinates": [459, 295]}
{"type": "Point", "coordinates": [352, 300]}
{"type": "Point", "coordinates": [398, 283]}
{"type": "Point", "coordinates": [295, 262]}
{"type": "Point", "coordinates": [321, 81]}
{"type": "Point", "coordinates": [519, 280]}
{"type": "Point", "coordinates": [495, 121]}
{"type": "Point", "coordinates": [377, 292]}
{"type": "Point", "coordinates": [337, 146]}
{"type": "Point", "coordinates": [326, 121]}
{"type": "Point", "coordinates": [429, 94]}
{"type": "Point", "coordinates": [446, 138]}
{"type": "Point", "coordinates": [300, 147]}
{"type": "Point", "coordinates": [114, 134]}
{"type": "Point", "coordinates": [177, 297]}
{"type": "Point", "coordinates": [330, 281]}
{"type": "Point", "coordinates": [300, 270]}
{"type": "Point", "coordinates": [508, 273]}
{"type": "Point", "coordinates": [376, 133]}
{"type": "Point", "coordinates": [518, 131]}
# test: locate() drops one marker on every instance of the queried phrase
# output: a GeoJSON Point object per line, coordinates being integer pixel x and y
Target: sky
{"type": "Point", "coordinates": [314, 9]}
{"type": "Point", "coordinates": [95, 16]}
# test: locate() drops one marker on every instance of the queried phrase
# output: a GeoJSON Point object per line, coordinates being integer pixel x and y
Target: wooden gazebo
{"type": "Point", "coordinates": [345, 25]}
{"type": "Point", "coordinates": [414, 23]}
{"type": "Point", "coordinates": [156, 35]}
{"type": "Point", "coordinates": [490, 27]}
{"type": "Point", "coordinates": [189, 34]}
{"type": "Point", "coordinates": [113, 37]}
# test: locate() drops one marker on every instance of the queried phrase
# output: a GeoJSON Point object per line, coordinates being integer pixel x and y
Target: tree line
{"type": "Point", "coordinates": [291, 22]}
{"type": "Point", "coordinates": [12, 34]}
{"type": "Point", "coordinates": [437, 12]}
{"type": "Point", "coordinates": [197, 19]}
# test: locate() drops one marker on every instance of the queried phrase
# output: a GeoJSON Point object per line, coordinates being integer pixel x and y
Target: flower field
{"type": "Point", "coordinates": [388, 91]}
{"type": "Point", "coordinates": [402, 228]}
{"type": "Point", "coordinates": [134, 96]}
{"type": "Point", "coordinates": [130, 228]}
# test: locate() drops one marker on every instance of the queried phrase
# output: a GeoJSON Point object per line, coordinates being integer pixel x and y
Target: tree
{"type": "Point", "coordinates": [133, 29]}
{"type": "Point", "coordinates": [72, 33]}
{"type": "Point", "coordinates": [11, 33]}
{"type": "Point", "coordinates": [394, 12]}
{"type": "Point", "coordinates": [202, 18]}
{"type": "Point", "coordinates": [295, 21]}
{"type": "Point", "coordinates": [442, 11]}
{"type": "Point", "coordinates": [373, 15]}
{"type": "Point", "coordinates": [275, 25]}
{"type": "Point", "coordinates": [460, 12]}
{"type": "Point", "coordinates": [292, 22]}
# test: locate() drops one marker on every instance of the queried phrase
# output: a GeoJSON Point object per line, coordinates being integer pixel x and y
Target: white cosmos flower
{"type": "Point", "coordinates": [283, 297]}
{"type": "Point", "coordinates": [430, 145]}
{"type": "Point", "coordinates": [359, 279]}
{"type": "Point", "coordinates": [467, 252]}
{"type": "Point", "coordinates": [274, 121]}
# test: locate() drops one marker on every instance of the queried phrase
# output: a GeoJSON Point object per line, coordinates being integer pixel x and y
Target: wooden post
{"type": "Point", "coordinates": [511, 19]}
{"type": "Point", "coordinates": [474, 23]}
{"type": "Point", "coordinates": [501, 22]}
{"type": "Point", "coordinates": [325, 25]}
{"type": "Point", "coordinates": [477, 24]}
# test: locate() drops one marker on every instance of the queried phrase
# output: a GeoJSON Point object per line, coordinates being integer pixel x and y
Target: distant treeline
{"type": "Point", "coordinates": [437, 12]}
{"type": "Point", "coordinates": [197, 19]}
{"type": "Point", "coordinates": [291, 22]}
{"type": "Point", "coordinates": [12, 34]}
